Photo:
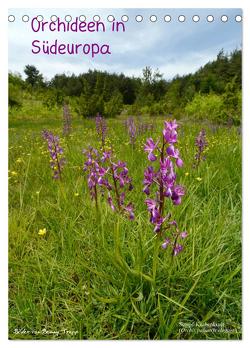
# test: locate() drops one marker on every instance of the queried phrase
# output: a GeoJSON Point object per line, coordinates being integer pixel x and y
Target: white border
{"type": "Point", "coordinates": [4, 159]}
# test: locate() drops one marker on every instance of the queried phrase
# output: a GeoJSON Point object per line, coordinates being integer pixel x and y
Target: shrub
{"type": "Point", "coordinates": [208, 106]}
{"type": "Point", "coordinates": [15, 96]}
{"type": "Point", "coordinates": [113, 107]}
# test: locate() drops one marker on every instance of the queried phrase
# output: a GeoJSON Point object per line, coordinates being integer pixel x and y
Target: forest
{"type": "Point", "coordinates": [199, 95]}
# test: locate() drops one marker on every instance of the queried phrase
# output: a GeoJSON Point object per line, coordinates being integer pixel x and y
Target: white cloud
{"type": "Point", "coordinates": [175, 48]}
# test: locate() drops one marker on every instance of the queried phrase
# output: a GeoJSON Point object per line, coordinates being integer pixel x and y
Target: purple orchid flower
{"type": "Point", "coordinates": [101, 128]}
{"type": "Point", "coordinates": [166, 243]}
{"type": "Point", "coordinates": [106, 176]}
{"type": "Point", "coordinates": [57, 161]}
{"type": "Point", "coordinates": [177, 193]}
{"type": "Point", "coordinates": [177, 249]}
{"type": "Point", "coordinates": [170, 132]}
{"type": "Point", "coordinates": [201, 144]}
{"type": "Point", "coordinates": [149, 147]}
{"type": "Point", "coordinates": [172, 152]}
{"type": "Point", "coordinates": [163, 180]}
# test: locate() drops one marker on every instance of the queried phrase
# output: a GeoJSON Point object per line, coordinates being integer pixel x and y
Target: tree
{"type": "Point", "coordinates": [114, 106]}
{"type": "Point", "coordinates": [172, 96]}
{"type": "Point", "coordinates": [34, 78]}
{"type": "Point", "coordinates": [15, 97]}
{"type": "Point", "coordinates": [232, 101]}
{"type": "Point", "coordinates": [16, 86]}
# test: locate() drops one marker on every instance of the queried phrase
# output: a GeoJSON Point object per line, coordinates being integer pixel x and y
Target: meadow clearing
{"type": "Point", "coordinates": [75, 273]}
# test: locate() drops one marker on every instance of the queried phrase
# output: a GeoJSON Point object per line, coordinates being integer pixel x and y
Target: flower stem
{"type": "Point", "coordinates": [57, 161]}
{"type": "Point", "coordinates": [161, 207]}
{"type": "Point", "coordinates": [116, 189]}
{"type": "Point", "coordinates": [96, 201]}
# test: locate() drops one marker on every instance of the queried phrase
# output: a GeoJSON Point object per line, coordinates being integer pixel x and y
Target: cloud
{"type": "Point", "coordinates": [174, 48]}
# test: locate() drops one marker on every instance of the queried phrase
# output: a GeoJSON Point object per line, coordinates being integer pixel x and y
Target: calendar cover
{"type": "Point", "coordinates": [125, 174]}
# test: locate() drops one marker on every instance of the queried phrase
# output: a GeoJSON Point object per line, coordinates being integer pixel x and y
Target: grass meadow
{"type": "Point", "coordinates": [101, 276]}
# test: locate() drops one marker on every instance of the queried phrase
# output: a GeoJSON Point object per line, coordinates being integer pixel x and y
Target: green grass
{"type": "Point", "coordinates": [104, 277]}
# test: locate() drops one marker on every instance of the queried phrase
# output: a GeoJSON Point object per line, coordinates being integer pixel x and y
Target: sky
{"type": "Point", "coordinates": [172, 47]}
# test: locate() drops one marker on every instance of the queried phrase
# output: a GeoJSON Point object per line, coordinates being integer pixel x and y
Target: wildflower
{"type": "Point", "coordinates": [201, 144]}
{"type": "Point", "coordinates": [130, 210]}
{"type": "Point", "coordinates": [186, 173]}
{"type": "Point", "coordinates": [19, 160]}
{"type": "Point", "coordinates": [76, 194]}
{"type": "Point", "coordinates": [177, 249]}
{"type": "Point", "coordinates": [131, 128]}
{"type": "Point", "coordinates": [164, 180]}
{"type": "Point", "coordinates": [198, 179]}
{"type": "Point", "coordinates": [66, 120]}
{"type": "Point", "coordinates": [57, 160]}
{"type": "Point", "coordinates": [149, 147]}
{"type": "Point", "coordinates": [144, 127]}
{"type": "Point", "coordinates": [183, 234]}
{"type": "Point", "coordinates": [101, 128]}
{"type": "Point", "coordinates": [95, 172]}
{"type": "Point", "coordinates": [148, 179]}
{"type": "Point", "coordinates": [172, 152]}
{"type": "Point", "coordinates": [121, 180]}
{"type": "Point", "coordinates": [14, 173]}
{"type": "Point", "coordinates": [169, 132]}
{"type": "Point", "coordinates": [104, 175]}
{"type": "Point", "coordinates": [165, 243]}
{"type": "Point", "coordinates": [151, 204]}
{"type": "Point", "coordinates": [177, 192]}
{"type": "Point", "coordinates": [106, 155]}
{"type": "Point", "coordinates": [42, 232]}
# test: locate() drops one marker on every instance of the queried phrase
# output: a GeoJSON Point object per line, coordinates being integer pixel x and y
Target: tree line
{"type": "Point", "coordinates": [212, 92]}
